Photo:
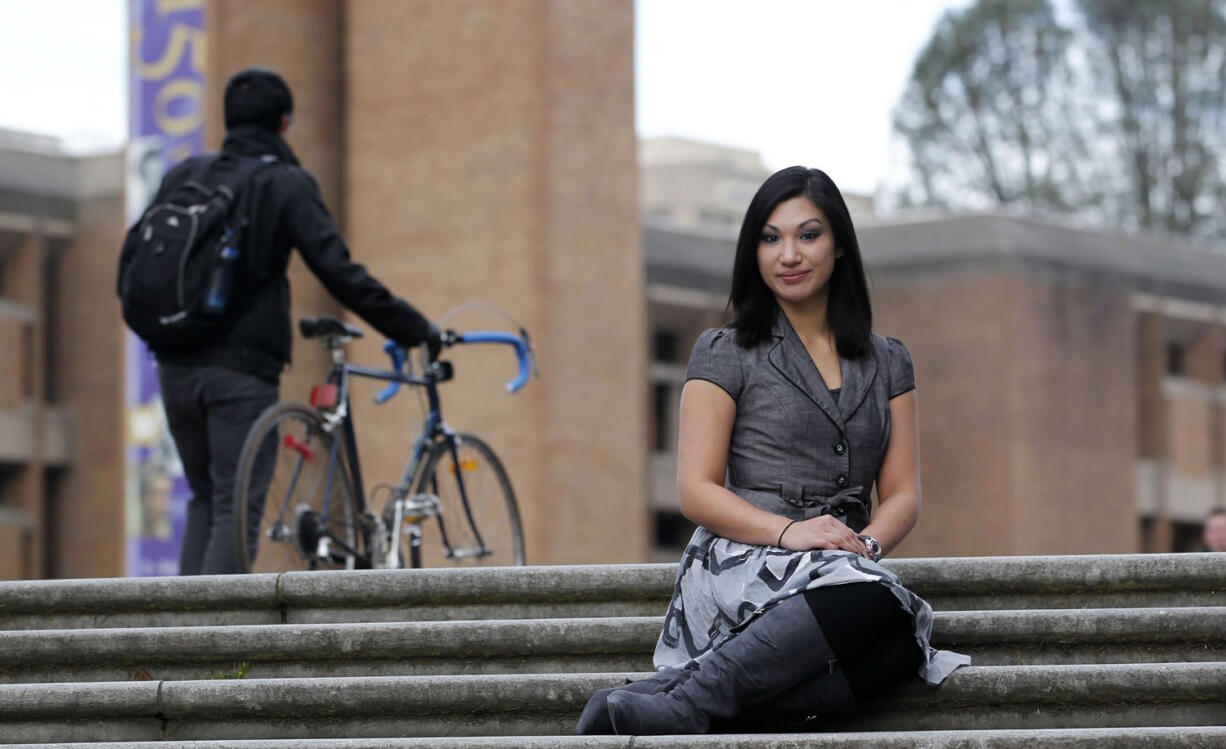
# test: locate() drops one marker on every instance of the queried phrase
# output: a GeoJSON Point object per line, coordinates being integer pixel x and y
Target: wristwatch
{"type": "Point", "coordinates": [874, 547]}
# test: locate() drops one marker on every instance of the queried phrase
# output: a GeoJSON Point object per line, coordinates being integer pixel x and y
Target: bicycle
{"type": "Point", "coordinates": [299, 497]}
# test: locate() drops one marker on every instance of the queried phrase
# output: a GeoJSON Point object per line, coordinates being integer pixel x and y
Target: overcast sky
{"type": "Point", "coordinates": [802, 81]}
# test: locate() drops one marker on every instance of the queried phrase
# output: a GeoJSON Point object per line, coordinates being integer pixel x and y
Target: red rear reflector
{"type": "Point", "coordinates": [324, 396]}
{"type": "Point", "coordinates": [297, 445]}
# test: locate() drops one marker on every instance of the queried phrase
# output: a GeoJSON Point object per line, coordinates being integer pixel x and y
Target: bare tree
{"type": "Point", "coordinates": [988, 115]}
{"type": "Point", "coordinates": [1162, 69]}
{"type": "Point", "coordinates": [1117, 119]}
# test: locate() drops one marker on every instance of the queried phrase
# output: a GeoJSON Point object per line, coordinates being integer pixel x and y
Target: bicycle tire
{"type": "Point", "coordinates": [282, 535]}
{"type": "Point", "coordinates": [448, 539]}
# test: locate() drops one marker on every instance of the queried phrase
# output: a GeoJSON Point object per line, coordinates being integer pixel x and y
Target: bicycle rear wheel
{"type": "Point", "coordinates": [279, 498]}
{"type": "Point", "coordinates": [478, 521]}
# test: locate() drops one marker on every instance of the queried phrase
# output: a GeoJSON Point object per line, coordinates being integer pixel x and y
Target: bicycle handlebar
{"type": "Point", "coordinates": [394, 350]}
{"type": "Point", "coordinates": [521, 344]}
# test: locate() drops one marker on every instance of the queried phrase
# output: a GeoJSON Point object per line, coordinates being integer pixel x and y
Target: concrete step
{"type": "Point", "coordinates": [982, 583]}
{"type": "Point", "coordinates": [1069, 738]}
{"type": "Point", "coordinates": [1042, 637]}
{"type": "Point", "coordinates": [973, 698]}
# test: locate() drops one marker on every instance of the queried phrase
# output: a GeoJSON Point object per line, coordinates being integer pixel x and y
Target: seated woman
{"type": "Point", "coordinates": [788, 418]}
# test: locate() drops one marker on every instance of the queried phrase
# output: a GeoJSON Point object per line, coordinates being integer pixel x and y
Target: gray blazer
{"type": "Point", "coordinates": [795, 451]}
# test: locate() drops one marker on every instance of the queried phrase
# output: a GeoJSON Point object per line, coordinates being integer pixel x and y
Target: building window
{"type": "Point", "coordinates": [661, 413]}
{"type": "Point", "coordinates": [673, 531]}
{"type": "Point", "coordinates": [1176, 359]}
{"type": "Point", "coordinates": [1188, 537]}
{"type": "Point", "coordinates": [665, 346]}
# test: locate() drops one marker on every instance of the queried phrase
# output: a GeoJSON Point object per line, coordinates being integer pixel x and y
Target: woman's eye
{"type": "Point", "coordinates": [809, 236]}
{"type": "Point", "coordinates": [770, 238]}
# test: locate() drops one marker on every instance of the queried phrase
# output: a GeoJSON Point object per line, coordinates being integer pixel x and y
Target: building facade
{"type": "Point", "coordinates": [1071, 383]}
{"type": "Point", "coordinates": [504, 174]}
{"type": "Point", "coordinates": [61, 418]}
{"type": "Point", "coordinates": [482, 152]}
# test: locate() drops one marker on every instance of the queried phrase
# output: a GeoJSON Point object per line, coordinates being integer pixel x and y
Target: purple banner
{"type": "Point", "coordinates": [167, 79]}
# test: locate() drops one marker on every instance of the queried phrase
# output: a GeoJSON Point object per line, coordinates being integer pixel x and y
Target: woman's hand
{"type": "Point", "coordinates": [822, 532]}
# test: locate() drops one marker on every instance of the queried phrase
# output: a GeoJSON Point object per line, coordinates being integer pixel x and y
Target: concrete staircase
{"type": "Point", "coordinates": [1100, 651]}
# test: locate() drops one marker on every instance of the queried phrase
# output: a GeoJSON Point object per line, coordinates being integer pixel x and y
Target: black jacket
{"type": "Point", "coordinates": [287, 211]}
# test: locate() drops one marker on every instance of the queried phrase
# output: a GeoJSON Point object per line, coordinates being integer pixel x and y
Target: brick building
{"type": "Point", "coordinates": [472, 151]}
{"type": "Point", "coordinates": [61, 421]}
{"type": "Point", "coordinates": [479, 151]}
{"type": "Point", "coordinates": [1071, 382]}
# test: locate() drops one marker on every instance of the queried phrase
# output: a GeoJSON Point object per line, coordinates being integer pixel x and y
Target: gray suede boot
{"type": "Point", "coordinates": [781, 648]}
{"type": "Point", "coordinates": [594, 721]}
{"type": "Point", "coordinates": [820, 696]}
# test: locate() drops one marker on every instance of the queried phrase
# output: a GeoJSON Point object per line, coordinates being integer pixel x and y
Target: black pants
{"type": "Point", "coordinates": [209, 411]}
{"type": "Point", "coordinates": [870, 634]}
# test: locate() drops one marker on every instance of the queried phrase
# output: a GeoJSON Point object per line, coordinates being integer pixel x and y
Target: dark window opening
{"type": "Point", "coordinates": [1176, 359]}
{"type": "Point", "coordinates": [665, 345]}
{"type": "Point", "coordinates": [673, 531]}
{"type": "Point", "coordinates": [661, 404]}
{"type": "Point", "coordinates": [27, 360]}
{"type": "Point", "coordinates": [1188, 537]}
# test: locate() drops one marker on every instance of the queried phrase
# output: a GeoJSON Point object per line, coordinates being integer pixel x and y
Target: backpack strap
{"type": "Point", "coordinates": [229, 174]}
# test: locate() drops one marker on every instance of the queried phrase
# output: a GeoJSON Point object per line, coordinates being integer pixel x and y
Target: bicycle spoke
{"type": "Point", "coordinates": [292, 473]}
{"type": "Point", "coordinates": [478, 520]}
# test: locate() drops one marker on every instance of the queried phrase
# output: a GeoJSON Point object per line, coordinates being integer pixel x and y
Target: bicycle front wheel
{"type": "Point", "coordinates": [478, 519]}
{"type": "Point", "coordinates": [294, 505]}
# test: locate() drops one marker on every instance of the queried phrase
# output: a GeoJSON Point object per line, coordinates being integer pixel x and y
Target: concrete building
{"type": "Point", "coordinates": [61, 423]}
{"type": "Point", "coordinates": [690, 184]}
{"type": "Point", "coordinates": [1071, 383]}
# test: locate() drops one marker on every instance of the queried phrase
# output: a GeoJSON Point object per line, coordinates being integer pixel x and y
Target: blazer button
{"type": "Point", "coordinates": [840, 447]}
{"type": "Point", "coordinates": [841, 480]}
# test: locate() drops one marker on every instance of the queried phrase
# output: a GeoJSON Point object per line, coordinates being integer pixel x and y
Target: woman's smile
{"type": "Point", "coordinates": [796, 251]}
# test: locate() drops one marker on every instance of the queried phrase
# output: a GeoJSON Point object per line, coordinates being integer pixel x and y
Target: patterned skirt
{"type": "Point", "coordinates": [723, 585]}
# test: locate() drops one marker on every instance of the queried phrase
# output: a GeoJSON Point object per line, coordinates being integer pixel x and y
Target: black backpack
{"type": "Point", "coordinates": [182, 263]}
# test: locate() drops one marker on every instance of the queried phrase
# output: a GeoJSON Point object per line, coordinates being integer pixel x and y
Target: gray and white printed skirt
{"type": "Point", "coordinates": [723, 585]}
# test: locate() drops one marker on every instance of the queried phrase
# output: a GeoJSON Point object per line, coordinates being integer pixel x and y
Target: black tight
{"type": "Point", "coordinates": [869, 632]}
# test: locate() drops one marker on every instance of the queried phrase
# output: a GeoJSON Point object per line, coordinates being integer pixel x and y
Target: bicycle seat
{"type": "Point", "coordinates": [323, 327]}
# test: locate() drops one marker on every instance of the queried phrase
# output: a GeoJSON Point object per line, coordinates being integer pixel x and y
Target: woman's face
{"type": "Point", "coordinates": [796, 251]}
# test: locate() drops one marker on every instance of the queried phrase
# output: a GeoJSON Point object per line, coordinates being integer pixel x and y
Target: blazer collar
{"type": "Point", "coordinates": [790, 357]}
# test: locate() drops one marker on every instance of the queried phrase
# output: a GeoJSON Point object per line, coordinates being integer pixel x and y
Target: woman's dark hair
{"type": "Point", "coordinates": [849, 313]}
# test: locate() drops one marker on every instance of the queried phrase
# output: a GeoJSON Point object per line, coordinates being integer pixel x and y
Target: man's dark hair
{"type": "Point", "coordinates": [257, 96]}
{"type": "Point", "coordinates": [848, 311]}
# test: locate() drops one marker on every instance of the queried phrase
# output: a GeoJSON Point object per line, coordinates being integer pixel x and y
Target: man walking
{"type": "Point", "coordinates": [214, 392]}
